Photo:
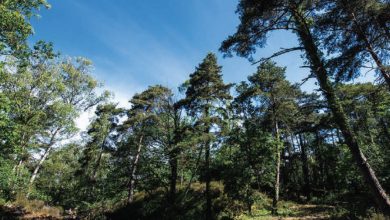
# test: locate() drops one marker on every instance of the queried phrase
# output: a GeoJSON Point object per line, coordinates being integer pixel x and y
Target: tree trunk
{"type": "Point", "coordinates": [43, 158]}
{"type": "Point", "coordinates": [173, 177]}
{"type": "Point", "coordinates": [181, 177]}
{"type": "Point", "coordinates": [207, 167]}
{"type": "Point", "coordinates": [133, 171]}
{"type": "Point", "coordinates": [277, 175]}
{"type": "Point", "coordinates": [37, 168]}
{"type": "Point", "coordinates": [21, 157]}
{"type": "Point", "coordinates": [305, 168]}
{"type": "Point", "coordinates": [173, 156]}
{"type": "Point", "coordinates": [382, 68]}
{"type": "Point", "coordinates": [97, 165]}
{"type": "Point", "coordinates": [208, 180]}
{"type": "Point", "coordinates": [317, 172]}
{"type": "Point", "coordinates": [193, 173]}
{"type": "Point", "coordinates": [319, 70]}
{"type": "Point", "coordinates": [17, 167]}
{"type": "Point", "coordinates": [249, 157]}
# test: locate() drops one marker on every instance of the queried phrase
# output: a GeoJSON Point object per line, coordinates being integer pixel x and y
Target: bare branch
{"type": "Point", "coordinates": [281, 52]}
{"type": "Point", "coordinates": [306, 79]}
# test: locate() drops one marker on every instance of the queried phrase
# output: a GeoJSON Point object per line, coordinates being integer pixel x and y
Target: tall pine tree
{"type": "Point", "coordinates": [206, 97]}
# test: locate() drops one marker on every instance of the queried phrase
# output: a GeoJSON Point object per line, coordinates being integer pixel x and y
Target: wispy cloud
{"type": "Point", "coordinates": [138, 58]}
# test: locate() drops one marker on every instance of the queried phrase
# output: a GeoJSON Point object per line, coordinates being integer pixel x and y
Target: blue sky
{"type": "Point", "coordinates": [137, 43]}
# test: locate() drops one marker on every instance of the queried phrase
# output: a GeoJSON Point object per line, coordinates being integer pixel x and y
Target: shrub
{"type": "Point", "coordinates": [37, 208]}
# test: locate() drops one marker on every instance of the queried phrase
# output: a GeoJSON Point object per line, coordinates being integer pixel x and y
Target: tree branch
{"type": "Point", "coordinates": [281, 52]}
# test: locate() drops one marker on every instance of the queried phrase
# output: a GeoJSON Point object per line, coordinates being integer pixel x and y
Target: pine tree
{"type": "Point", "coordinates": [150, 123]}
{"type": "Point", "coordinates": [354, 33]}
{"type": "Point", "coordinates": [258, 19]}
{"type": "Point", "coordinates": [101, 141]}
{"type": "Point", "coordinates": [277, 99]}
{"type": "Point", "coordinates": [206, 96]}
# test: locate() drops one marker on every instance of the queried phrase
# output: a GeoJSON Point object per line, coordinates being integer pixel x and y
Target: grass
{"type": "Point", "coordinates": [291, 210]}
{"type": "Point", "coordinates": [29, 209]}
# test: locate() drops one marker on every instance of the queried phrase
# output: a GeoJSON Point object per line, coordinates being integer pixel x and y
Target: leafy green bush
{"type": "Point", "coordinates": [13, 179]}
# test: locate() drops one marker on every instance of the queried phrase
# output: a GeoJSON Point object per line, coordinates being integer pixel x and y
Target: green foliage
{"type": "Point", "coordinates": [59, 169]}
{"type": "Point", "coordinates": [15, 25]}
{"type": "Point", "coordinates": [354, 34]}
{"type": "Point", "coordinates": [93, 167]}
{"type": "Point", "coordinates": [154, 205]}
{"type": "Point", "coordinates": [13, 179]}
{"type": "Point", "coordinates": [45, 99]}
{"type": "Point", "coordinates": [208, 155]}
{"type": "Point", "coordinates": [9, 132]}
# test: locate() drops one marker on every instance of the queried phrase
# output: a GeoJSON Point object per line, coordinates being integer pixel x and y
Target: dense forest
{"type": "Point", "coordinates": [257, 149]}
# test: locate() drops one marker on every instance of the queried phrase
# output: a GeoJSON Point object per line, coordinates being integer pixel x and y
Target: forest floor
{"type": "Point", "coordinates": [191, 203]}
{"type": "Point", "coordinates": [307, 212]}
{"type": "Point", "coordinates": [295, 211]}
{"type": "Point", "coordinates": [33, 210]}
{"type": "Point", "coordinates": [149, 207]}
{"type": "Point", "coordinates": [16, 212]}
